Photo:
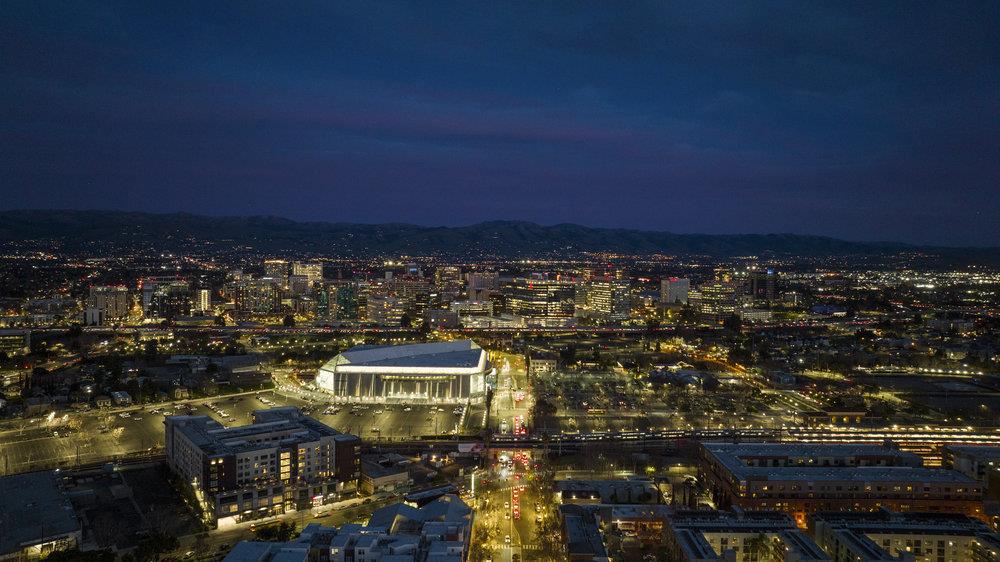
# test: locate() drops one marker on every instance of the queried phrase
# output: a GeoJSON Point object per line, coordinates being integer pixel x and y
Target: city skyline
{"type": "Point", "coordinates": [557, 281]}
{"type": "Point", "coordinates": [863, 123]}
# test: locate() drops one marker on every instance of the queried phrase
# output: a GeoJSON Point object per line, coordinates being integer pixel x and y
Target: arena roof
{"type": "Point", "coordinates": [461, 354]}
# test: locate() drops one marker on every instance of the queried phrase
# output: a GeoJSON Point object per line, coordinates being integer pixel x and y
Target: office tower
{"type": "Point", "coordinates": [107, 304]}
{"type": "Point", "coordinates": [539, 298]}
{"type": "Point", "coordinates": [609, 299]}
{"type": "Point", "coordinates": [674, 290]}
{"type": "Point", "coordinates": [413, 293]}
{"type": "Point", "coordinates": [715, 301]}
{"type": "Point", "coordinates": [283, 461]}
{"type": "Point", "coordinates": [482, 285]}
{"type": "Point", "coordinates": [149, 285]}
{"type": "Point", "coordinates": [298, 284]}
{"type": "Point", "coordinates": [756, 283]}
{"type": "Point", "coordinates": [258, 296]}
{"type": "Point", "coordinates": [448, 282]}
{"type": "Point", "coordinates": [170, 300]}
{"type": "Point", "coordinates": [384, 310]}
{"type": "Point", "coordinates": [312, 271]}
{"type": "Point", "coordinates": [277, 270]}
{"type": "Point", "coordinates": [346, 301]}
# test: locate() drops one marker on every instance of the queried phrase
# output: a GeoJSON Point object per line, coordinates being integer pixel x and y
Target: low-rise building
{"type": "Point", "coordinates": [708, 536]}
{"type": "Point", "coordinates": [799, 478]}
{"type": "Point", "coordinates": [436, 532]}
{"type": "Point", "coordinates": [540, 363]}
{"type": "Point", "coordinates": [36, 517]}
{"type": "Point", "coordinates": [582, 535]}
{"type": "Point", "coordinates": [607, 491]}
{"type": "Point", "coordinates": [980, 462]}
{"type": "Point", "coordinates": [904, 537]}
{"type": "Point", "coordinates": [384, 473]}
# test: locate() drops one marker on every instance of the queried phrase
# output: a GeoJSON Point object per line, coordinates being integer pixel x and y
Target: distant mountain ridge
{"type": "Point", "coordinates": [71, 230]}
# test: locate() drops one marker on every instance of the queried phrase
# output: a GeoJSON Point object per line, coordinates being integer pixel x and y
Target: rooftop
{"type": "Point", "coordinates": [33, 508]}
{"type": "Point", "coordinates": [280, 425]}
{"type": "Point", "coordinates": [689, 529]}
{"type": "Point", "coordinates": [452, 354]}
{"type": "Point", "coordinates": [985, 452]}
{"type": "Point", "coordinates": [437, 532]}
{"type": "Point", "coordinates": [906, 468]}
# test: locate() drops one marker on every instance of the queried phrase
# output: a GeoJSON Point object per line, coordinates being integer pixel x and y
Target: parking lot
{"type": "Point", "coordinates": [93, 436]}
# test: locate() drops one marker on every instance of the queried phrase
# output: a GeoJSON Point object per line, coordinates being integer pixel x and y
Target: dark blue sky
{"type": "Point", "coordinates": [866, 120]}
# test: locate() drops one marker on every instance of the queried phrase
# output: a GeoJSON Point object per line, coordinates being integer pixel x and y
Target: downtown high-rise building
{"type": "Point", "coordinates": [277, 270]}
{"type": "Point", "coordinates": [609, 299]}
{"type": "Point", "coordinates": [202, 301]}
{"type": "Point", "coordinates": [716, 300]}
{"type": "Point", "coordinates": [258, 296]}
{"type": "Point", "coordinates": [168, 300]}
{"type": "Point", "coordinates": [539, 298]}
{"type": "Point", "coordinates": [757, 283]}
{"type": "Point", "coordinates": [312, 271]}
{"type": "Point", "coordinates": [385, 310]}
{"type": "Point", "coordinates": [674, 290]}
{"type": "Point", "coordinates": [481, 285]}
{"type": "Point", "coordinates": [107, 304]}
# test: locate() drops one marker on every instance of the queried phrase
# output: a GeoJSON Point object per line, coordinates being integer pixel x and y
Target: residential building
{"type": "Point", "coordinates": [800, 478]}
{"type": "Point", "coordinates": [709, 536]}
{"type": "Point", "coordinates": [283, 461]}
{"type": "Point", "coordinates": [437, 532]}
{"type": "Point", "coordinates": [906, 537]}
{"type": "Point", "coordinates": [979, 462]}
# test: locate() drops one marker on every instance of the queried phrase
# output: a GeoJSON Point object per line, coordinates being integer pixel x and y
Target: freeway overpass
{"type": "Point", "coordinates": [390, 330]}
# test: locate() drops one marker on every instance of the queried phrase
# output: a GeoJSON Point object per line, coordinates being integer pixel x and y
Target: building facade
{"type": "Point", "coordinates": [548, 300]}
{"type": "Point", "coordinates": [674, 290]}
{"type": "Point", "coordinates": [804, 478]}
{"type": "Point", "coordinates": [432, 373]}
{"type": "Point", "coordinates": [916, 537]}
{"type": "Point", "coordinates": [283, 461]}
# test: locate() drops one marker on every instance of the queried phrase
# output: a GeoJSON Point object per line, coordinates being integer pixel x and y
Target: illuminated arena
{"type": "Point", "coordinates": [427, 373]}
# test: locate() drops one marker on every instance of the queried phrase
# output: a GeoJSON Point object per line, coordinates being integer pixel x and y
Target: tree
{"type": "Point", "coordinates": [282, 532]}
{"type": "Point", "coordinates": [288, 321]}
{"type": "Point", "coordinates": [568, 355]}
{"type": "Point", "coordinates": [765, 549]}
{"type": "Point", "coordinates": [77, 556]}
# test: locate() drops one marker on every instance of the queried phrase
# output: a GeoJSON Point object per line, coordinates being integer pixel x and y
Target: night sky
{"type": "Point", "coordinates": [866, 121]}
